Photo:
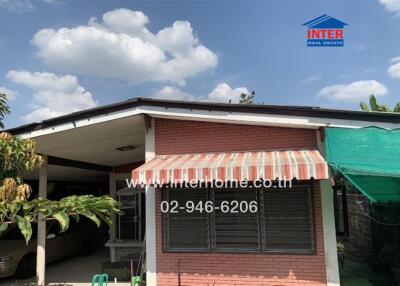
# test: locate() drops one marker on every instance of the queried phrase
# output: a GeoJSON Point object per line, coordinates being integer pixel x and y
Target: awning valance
{"type": "Point", "coordinates": [251, 166]}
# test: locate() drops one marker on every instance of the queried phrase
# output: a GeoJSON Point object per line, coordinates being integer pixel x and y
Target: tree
{"type": "Point", "coordinates": [374, 106]}
{"type": "Point", "coordinates": [247, 98]}
{"type": "Point", "coordinates": [4, 109]}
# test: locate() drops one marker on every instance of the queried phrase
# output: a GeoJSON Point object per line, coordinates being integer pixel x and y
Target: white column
{"type": "Point", "coordinates": [113, 194]}
{"type": "Point", "coordinates": [112, 231]}
{"type": "Point", "coordinates": [151, 259]}
{"type": "Point", "coordinates": [328, 219]}
{"type": "Point", "coordinates": [41, 235]}
{"type": "Point", "coordinates": [328, 222]}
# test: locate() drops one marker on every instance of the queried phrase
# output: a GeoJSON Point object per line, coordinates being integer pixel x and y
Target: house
{"type": "Point", "coordinates": [161, 145]}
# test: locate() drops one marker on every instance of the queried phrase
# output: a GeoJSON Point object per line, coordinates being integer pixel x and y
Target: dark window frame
{"type": "Point", "coordinates": [213, 234]}
{"type": "Point", "coordinates": [165, 230]}
{"type": "Point", "coordinates": [309, 185]}
{"type": "Point", "coordinates": [309, 188]}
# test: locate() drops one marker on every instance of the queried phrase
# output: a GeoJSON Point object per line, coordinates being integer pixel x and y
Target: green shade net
{"type": "Point", "coordinates": [369, 158]}
{"type": "Point", "coordinates": [380, 189]}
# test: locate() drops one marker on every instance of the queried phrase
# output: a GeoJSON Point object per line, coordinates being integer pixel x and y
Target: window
{"type": "Point", "coordinates": [235, 230]}
{"type": "Point", "coordinates": [283, 222]}
{"type": "Point", "coordinates": [287, 220]}
{"type": "Point", "coordinates": [129, 223]}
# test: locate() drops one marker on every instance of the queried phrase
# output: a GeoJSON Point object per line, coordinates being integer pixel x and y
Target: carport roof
{"type": "Point", "coordinates": [307, 111]}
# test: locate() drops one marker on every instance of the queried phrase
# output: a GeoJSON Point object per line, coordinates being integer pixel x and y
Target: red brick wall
{"type": "Point", "coordinates": [180, 137]}
{"type": "Point", "coordinates": [202, 269]}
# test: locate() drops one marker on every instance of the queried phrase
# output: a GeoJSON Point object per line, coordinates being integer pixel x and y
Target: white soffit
{"type": "Point", "coordinates": [97, 143]}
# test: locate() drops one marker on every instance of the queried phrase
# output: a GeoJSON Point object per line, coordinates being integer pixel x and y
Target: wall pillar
{"type": "Point", "coordinates": [113, 194]}
{"type": "Point", "coordinates": [328, 222]}
{"type": "Point", "coordinates": [328, 219]}
{"type": "Point", "coordinates": [112, 231]}
{"type": "Point", "coordinates": [151, 245]}
{"type": "Point", "coordinates": [41, 235]}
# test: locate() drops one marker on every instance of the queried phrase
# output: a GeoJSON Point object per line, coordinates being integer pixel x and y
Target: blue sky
{"type": "Point", "coordinates": [57, 58]}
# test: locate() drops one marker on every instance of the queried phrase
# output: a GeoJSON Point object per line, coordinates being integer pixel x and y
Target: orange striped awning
{"type": "Point", "coordinates": [251, 166]}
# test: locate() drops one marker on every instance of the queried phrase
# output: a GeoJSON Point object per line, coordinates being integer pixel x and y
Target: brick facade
{"type": "Point", "coordinates": [203, 269]}
{"type": "Point", "coordinates": [180, 137]}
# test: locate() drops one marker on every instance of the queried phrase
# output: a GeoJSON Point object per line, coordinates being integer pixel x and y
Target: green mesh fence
{"type": "Point", "coordinates": [369, 158]}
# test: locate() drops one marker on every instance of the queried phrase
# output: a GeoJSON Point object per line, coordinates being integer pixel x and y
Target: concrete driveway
{"type": "Point", "coordinates": [74, 271]}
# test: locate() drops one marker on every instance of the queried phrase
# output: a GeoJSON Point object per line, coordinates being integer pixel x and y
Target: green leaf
{"type": "Point", "coordinates": [89, 215]}
{"type": "Point", "coordinates": [25, 227]}
{"type": "Point", "coordinates": [386, 108]}
{"type": "Point", "coordinates": [3, 227]}
{"type": "Point", "coordinates": [14, 208]}
{"type": "Point", "coordinates": [105, 218]}
{"type": "Point", "coordinates": [364, 106]}
{"type": "Point", "coordinates": [373, 103]}
{"type": "Point", "coordinates": [28, 207]}
{"type": "Point", "coordinates": [62, 219]}
{"type": "Point", "coordinates": [397, 107]}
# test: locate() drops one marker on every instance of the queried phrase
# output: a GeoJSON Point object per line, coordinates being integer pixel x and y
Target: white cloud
{"type": "Point", "coordinates": [43, 80]}
{"type": "Point", "coordinates": [17, 6]}
{"type": "Point", "coordinates": [311, 79]}
{"type": "Point", "coordinates": [392, 6]}
{"type": "Point", "coordinates": [173, 93]}
{"type": "Point", "coordinates": [394, 69]}
{"type": "Point", "coordinates": [353, 92]}
{"type": "Point", "coordinates": [126, 21]}
{"type": "Point", "coordinates": [23, 6]}
{"type": "Point", "coordinates": [41, 114]}
{"type": "Point", "coordinates": [395, 59]}
{"type": "Point", "coordinates": [224, 93]}
{"type": "Point", "coordinates": [11, 94]}
{"type": "Point", "coordinates": [221, 93]}
{"type": "Point", "coordinates": [121, 47]}
{"type": "Point", "coordinates": [54, 95]}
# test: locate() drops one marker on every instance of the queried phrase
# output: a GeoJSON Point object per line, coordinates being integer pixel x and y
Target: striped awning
{"type": "Point", "coordinates": [251, 166]}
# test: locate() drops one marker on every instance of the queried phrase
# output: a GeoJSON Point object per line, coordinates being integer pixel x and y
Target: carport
{"type": "Point", "coordinates": [86, 150]}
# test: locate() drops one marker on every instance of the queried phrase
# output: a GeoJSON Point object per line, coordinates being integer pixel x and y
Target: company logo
{"type": "Point", "coordinates": [325, 31]}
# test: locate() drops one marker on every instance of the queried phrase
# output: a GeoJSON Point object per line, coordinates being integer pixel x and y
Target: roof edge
{"type": "Point", "coordinates": [305, 111]}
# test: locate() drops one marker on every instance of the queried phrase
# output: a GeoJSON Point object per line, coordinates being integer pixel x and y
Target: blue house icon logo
{"type": "Point", "coordinates": [325, 31]}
